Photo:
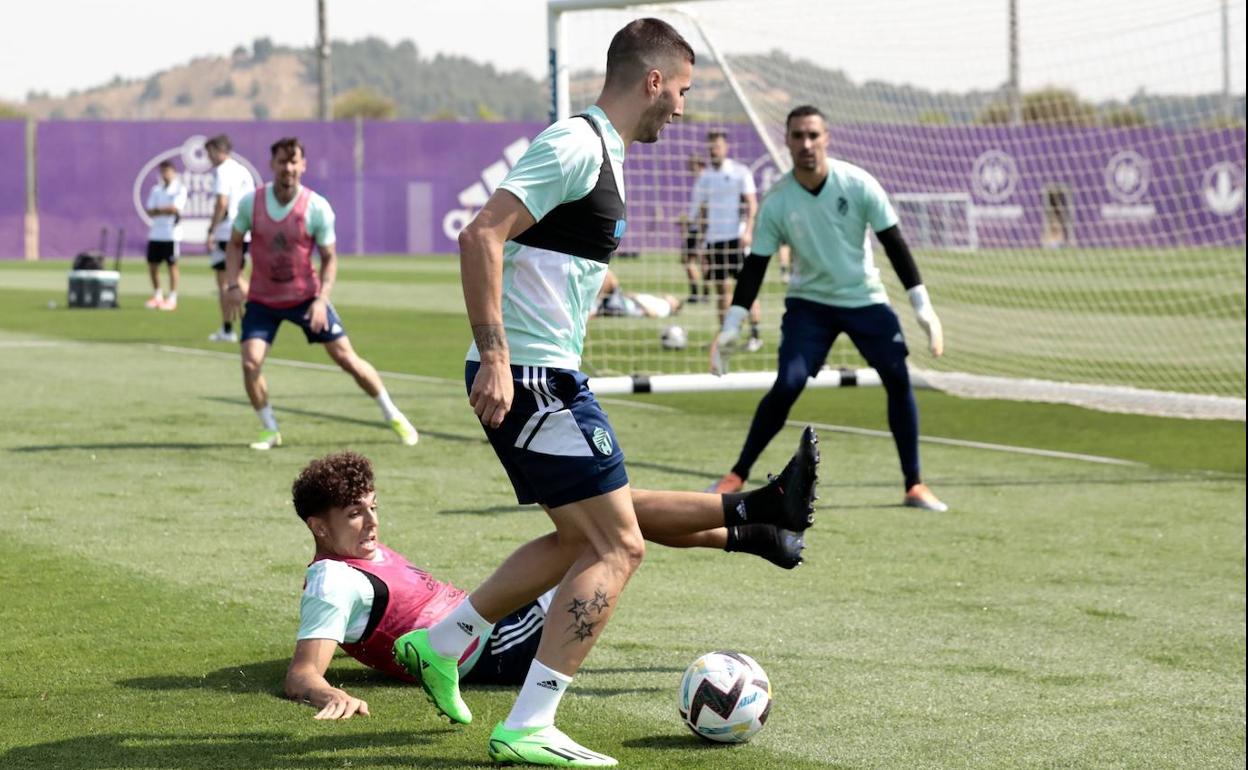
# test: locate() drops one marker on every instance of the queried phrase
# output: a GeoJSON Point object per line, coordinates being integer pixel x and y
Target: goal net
{"type": "Point", "coordinates": [1082, 233]}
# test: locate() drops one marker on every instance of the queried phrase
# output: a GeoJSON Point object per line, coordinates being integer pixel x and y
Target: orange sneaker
{"type": "Point", "coordinates": [731, 482]}
{"type": "Point", "coordinates": [919, 496]}
{"type": "Point", "coordinates": [154, 303]}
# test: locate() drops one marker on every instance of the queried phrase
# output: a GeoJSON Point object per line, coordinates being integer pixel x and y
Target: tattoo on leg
{"type": "Point", "coordinates": [579, 609]}
{"type": "Point", "coordinates": [582, 630]}
{"type": "Point", "coordinates": [582, 627]}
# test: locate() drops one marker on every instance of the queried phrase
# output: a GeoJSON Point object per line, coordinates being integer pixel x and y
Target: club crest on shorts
{"type": "Point", "coordinates": [602, 440]}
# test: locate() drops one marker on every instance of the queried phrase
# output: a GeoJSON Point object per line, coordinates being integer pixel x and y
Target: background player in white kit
{"type": "Point", "coordinates": [724, 203]}
{"type": "Point", "coordinates": [164, 205]}
{"type": "Point", "coordinates": [231, 181]}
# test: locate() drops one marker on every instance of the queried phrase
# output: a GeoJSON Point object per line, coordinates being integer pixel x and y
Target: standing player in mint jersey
{"type": "Point", "coordinates": [286, 226]}
{"type": "Point", "coordinates": [532, 262]}
{"type": "Point", "coordinates": [822, 209]}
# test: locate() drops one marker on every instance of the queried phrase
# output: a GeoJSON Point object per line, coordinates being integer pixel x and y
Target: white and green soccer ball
{"type": "Point", "coordinates": [674, 337]}
{"type": "Point", "coordinates": [725, 697]}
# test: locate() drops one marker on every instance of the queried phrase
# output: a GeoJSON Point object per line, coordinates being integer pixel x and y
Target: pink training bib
{"type": "Point", "coordinates": [282, 274]}
{"type": "Point", "coordinates": [405, 598]}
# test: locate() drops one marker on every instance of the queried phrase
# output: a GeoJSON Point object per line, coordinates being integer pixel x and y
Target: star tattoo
{"type": "Point", "coordinates": [579, 609]}
{"type": "Point", "coordinates": [599, 602]}
{"type": "Point", "coordinates": [582, 630]}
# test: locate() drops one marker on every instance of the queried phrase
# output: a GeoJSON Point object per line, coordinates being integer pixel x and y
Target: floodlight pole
{"type": "Point", "coordinates": [1015, 93]}
{"type": "Point", "coordinates": [1228, 109]}
{"type": "Point", "coordinates": [322, 58]}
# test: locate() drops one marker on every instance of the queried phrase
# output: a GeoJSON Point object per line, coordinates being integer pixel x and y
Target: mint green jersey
{"type": "Point", "coordinates": [548, 294]}
{"type": "Point", "coordinates": [828, 234]}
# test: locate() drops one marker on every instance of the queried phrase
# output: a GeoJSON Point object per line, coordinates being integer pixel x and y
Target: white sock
{"type": "Point", "coordinates": [156, 294]}
{"type": "Point", "coordinates": [451, 635]}
{"type": "Point", "coordinates": [388, 410]}
{"type": "Point", "coordinates": [173, 296]}
{"type": "Point", "coordinates": [539, 698]}
{"type": "Point", "coordinates": [266, 417]}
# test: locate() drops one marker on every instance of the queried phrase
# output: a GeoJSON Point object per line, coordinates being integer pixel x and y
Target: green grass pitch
{"type": "Point", "coordinates": [1063, 614]}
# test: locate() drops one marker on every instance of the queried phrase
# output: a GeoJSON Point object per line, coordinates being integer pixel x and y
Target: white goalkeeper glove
{"type": "Point", "coordinates": [925, 314]}
{"type": "Point", "coordinates": [726, 341]}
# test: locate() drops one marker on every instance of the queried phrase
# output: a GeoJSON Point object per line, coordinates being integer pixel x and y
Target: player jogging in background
{"type": "Point", "coordinates": [532, 262]}
{"type": "Point", "coordinates": [724, 204]}
{"type": "Point", "coordinates": [165, 202]}
{"type": "Point", "coordinates": [287, 221]}
{"type": "Point", "coordinates": [822, 209]}
{"type": "Point", "coordinates": [361, 596]}
{"type": "Point", "coordinates": [230, 182]}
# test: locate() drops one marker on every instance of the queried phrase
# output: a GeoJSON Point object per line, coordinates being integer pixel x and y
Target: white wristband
{"type": "Point", "coordinates": [733, 318]}
{"type": "Point", "coordinates": [919, 300]}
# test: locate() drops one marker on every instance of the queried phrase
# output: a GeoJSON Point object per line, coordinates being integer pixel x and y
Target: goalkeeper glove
{"type": "Point", "coordinates": [727, 339]}
{"type": "Point", "coordinates": [925, 314]}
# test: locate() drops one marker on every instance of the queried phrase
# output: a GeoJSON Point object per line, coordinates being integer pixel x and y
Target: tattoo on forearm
{"type": "Point", "coordinates": [489, 337]}
{"type": "Point", "coordinates": [586, 615]}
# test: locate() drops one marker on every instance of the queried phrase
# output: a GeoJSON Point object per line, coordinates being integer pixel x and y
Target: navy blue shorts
{"type": "Point", "coordinates": [556, 443]}
{"type": "Point", "coordinates": [511, 648]}
{"type": "Point", "coordinates": [261, 322]}
{"type": "Point", "coordinates": [809, 329]}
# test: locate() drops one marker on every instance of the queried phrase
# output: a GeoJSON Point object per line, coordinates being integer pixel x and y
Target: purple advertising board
{"type": "Point", "coordinates": [95, 174]}
{"type": "Point", "coordinates": [409, 188]}
{"type": "Point", "coordinates": [12, 188]}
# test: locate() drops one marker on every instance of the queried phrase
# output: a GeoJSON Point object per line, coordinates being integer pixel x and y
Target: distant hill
{"type": "Point", "coordinates": [273, 82]}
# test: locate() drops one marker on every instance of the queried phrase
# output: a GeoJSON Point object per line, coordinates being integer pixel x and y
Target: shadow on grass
{"type": "Point", "coordinates": [263, 677]}
{"type": "Point", "coordinates": [241, 402]}
{"type": "Point", "coordinates": [490, 511]}
{"type": "Point", "coordinates": [213, 751]}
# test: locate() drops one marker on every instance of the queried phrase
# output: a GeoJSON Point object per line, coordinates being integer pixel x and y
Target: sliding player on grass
{"type": "Point", "coordinates": [822, 209]}
{"type": "Point", "coordinates": [362, 596]}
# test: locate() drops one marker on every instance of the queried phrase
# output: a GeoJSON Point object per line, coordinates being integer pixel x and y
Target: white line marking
{"type": "Point", "coordinates": [1022, 450]}
{"type": "Point", "coordinates": [304, 364]}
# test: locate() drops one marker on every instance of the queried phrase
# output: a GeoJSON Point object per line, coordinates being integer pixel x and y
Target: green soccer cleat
{"type": "Point", "coordinates": [542, 746]}
{"type": "Point", "coordinates": [407, 433]}
{"type": "Point", "coordinates": [268, 439]}
{"type": "Point", "coordinates": [439, 676]}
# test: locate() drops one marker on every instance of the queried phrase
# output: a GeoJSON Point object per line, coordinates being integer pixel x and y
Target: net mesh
{"type": "Point", "coordinates": [1094, 234]}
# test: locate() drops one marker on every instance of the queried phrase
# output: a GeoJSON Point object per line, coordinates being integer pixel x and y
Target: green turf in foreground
{"type": "Point", "coordinates": [1064, 614]}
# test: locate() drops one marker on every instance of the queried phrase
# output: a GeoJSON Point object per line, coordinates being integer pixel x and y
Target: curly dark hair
{"type": "Point", "coordinates": [333, 481]}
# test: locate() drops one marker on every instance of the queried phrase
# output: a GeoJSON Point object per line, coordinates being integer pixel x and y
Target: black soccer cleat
{"type": "Point", "coordinates": [795, 486]}
{"type": "Point", "coordinates": [788, 550]}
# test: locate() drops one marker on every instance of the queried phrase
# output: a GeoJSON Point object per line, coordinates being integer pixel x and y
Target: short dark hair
{"type": "Point", "coordinates": [219, 142]}
{"type": "Point", "coordinates": [333, 481]}
{"type": "Point", "coordinates": [716, 133]}
{"type": "Point", "coordinates": [166, 164]}
{"type": "Point", "coordinates": [802, 111]}
{"type": "Point", "coordinates": [289, 143]}
{"type": "Point", "coordinates": [643, 45]}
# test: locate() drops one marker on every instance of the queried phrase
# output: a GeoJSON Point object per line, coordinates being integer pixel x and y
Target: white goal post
{"type": "Point", "coordinates": [1082, 242]}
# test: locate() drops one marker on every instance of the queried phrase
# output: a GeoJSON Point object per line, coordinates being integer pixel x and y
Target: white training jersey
{"type": "Point", "coordinates": [720, 190]}
{"type": "Point", "coordinates": [232, 180]}
{"type": "Point", "coordinates": [166, 227]}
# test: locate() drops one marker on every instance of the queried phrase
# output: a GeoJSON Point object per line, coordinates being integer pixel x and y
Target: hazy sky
{"type": "Point", "coordinates": [1105, 48]}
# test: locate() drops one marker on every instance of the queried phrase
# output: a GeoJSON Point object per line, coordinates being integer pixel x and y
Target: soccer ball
{"type": "Point", "coordinates": [725, 697]}
{"type": "Point", "coordinates": [674, 337]}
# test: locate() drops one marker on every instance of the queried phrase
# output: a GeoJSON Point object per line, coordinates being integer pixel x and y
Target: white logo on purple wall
{"type": "Point", "coordinates": [1127, 176]}
{"type": "Point", "coordinates": [1223, 188]}
{"type": "Point", "coordinates": [994, 176]}
{"type": "Point", "coordinates": [195, 171]}
{"type": "Point", "coordinates": [474, 196]}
